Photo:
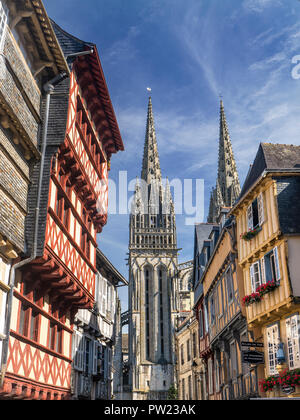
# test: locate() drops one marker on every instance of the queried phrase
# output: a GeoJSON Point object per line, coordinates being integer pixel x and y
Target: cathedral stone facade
{"type": "Point", "coordinates": [153, 283]}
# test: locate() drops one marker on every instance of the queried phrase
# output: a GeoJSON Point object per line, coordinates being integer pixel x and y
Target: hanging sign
{"type": "Point", "coordinates": [251, 344]}
{"type": "Point", "coordinates": [255, 357]}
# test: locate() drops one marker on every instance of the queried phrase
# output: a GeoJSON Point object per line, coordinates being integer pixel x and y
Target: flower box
{"type": "Point", "coordinates": [285, 378]}
{"type": "Point", "coordinates": [247, 236]}
{"type": "Point", "coordinates": [260, 292]}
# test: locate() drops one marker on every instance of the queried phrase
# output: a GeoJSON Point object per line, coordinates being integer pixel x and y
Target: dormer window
{"type": "Point", "coordinates": [255, 213]}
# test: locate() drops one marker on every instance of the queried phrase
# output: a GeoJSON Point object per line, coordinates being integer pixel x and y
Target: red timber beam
{"type": "Point", "coordinates": [18, 389]}
{"type": "Point", "coordinates": [90, 73]}
{"type": "Point", "coordinates": [59, 282]}
{"type": "Point", "coordinates": [78, 177]}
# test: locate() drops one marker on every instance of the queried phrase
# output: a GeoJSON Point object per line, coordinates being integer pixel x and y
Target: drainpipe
{"type": "Point", "coordinates": [48, 88]}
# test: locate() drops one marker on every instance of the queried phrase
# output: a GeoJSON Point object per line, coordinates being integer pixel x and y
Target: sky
{"type": "Point", "coordinates": [190, 52]}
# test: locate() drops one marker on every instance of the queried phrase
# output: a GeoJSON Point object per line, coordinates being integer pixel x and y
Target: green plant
{"type": "Point", "coordinates": [172, 393]}
{"type": "Point", "coordinates": [247, 236]}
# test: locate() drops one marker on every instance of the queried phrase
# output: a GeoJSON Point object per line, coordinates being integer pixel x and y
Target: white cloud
{"type": "Point", "coordinates": [258, 6]}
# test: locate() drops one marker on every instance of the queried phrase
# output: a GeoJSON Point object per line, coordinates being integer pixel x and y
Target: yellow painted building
{"type": "Point", "coordinates": [188, 362]}
{"type": "Point", "coordinates": [268, 232]}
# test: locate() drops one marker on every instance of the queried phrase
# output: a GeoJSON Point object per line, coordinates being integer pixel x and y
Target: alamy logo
{"type": "Point", "coordinates": [296, 69]}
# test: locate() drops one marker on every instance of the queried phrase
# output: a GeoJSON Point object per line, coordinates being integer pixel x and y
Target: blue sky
{"type": "Point", "coordinates": [188, 52]}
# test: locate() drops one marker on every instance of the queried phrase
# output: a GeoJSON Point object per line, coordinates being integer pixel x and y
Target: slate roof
{"type": "Point", "coordinates": [280, 157]}
{"type": "Point", "coordinates": [72, 45]}
{"type": "Point", "coordinates": [202, 232]}
{"type": "Point", "coordinates": [272, 156]}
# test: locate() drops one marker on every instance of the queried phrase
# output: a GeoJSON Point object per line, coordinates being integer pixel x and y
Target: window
{"type": "Point", "coordinates": [217, 376]}
{"type": "Point", "coordinates": [59, 206]}
{"type": "Point", "coordinates": [24, 320]}
{"type": "Point", "coordinates": [233, 360]}
{"type": "Point", "coordinates": [210, 377]}
{"type": "Point", "coordinates": [255, 213]}
{"type": "Point", "coordinates": [162, 345]}
{"type": "Point", "coordinates": [51, 340]}
{"type": "Point", "coordinates": [87, 356]}
{"type": "Point", "coordinates": [271, 266]}
{"type": "Point", "coordinates": [265, 270]}
{"type": "Point", "coordinates": [212, 310]}
{"type": "Point", "coordinates": [255, 275]}
{"type": "Point", "coordinates": [183, 389]}
{"type": "Point", "coordinates": [200, 324]}
{"type": "Point", "coordinates": [66, 215]}
{"type": "Point", "coordinates": [55, 338]}
{"type": "Point", "coordinates": [34, 326]}
{"type": "Point", "coordinates": [273, 341]}
{"type": "Point", "coordinates": [3, 22]}
{"type": "Point", "coordinates": [229, 284]}
{"type": "Point", "coordinates": [293, 341]}
{"type": "Point", "coordinates": [188, 348]}
{"type": "Point", "coordinates": [147, 310]}
{"type": "Point", "coordinates": [78, 347]}
{"type": "Point", "coordinates": [182, 354]}
{"type": "Point", "coordinates": [194, 345]}
{"type": "Point", "coordinates": [190, 396]}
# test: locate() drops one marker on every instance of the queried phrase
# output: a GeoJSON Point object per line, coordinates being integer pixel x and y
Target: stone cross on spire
{"type": "Point", "coordinates": [151, 166]}
{"type": "Point", "coordinates": [228, 186]}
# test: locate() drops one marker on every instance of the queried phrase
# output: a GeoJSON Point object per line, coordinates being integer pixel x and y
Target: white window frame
{"type": "Point", "coordinates": [293, 341]}
{"type": "Point", "coordinates": [260, 212]}
{"type": "Point", "coordinates": [273, 341]}
{"type": "Point", "coordinates": [260, 208]}
{"type": "Point", "coordinates": [255, 283]}
{"type": "Point", "coordinates": [277, 274]}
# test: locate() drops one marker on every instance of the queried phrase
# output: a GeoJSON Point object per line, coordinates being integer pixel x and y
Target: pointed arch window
{"type": "Point", "coordinates": [147, 310]}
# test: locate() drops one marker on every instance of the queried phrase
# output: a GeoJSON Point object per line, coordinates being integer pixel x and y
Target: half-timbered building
{"type": "Point", "coordinates": [268, 229]}
{"type": "Point", "coordinates": [95, 335]}
{"type": "Point", "coordinates": [30, 56]}
{"type": "Point", "coordinates": [229, 377]}
{"type": "Point", "coordinates": [68, 200]}
{"type": "Point", "coordinates": [201, 257]}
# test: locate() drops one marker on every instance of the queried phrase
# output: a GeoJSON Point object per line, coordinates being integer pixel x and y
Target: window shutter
{"type": "Point", "coordinates": [78, 351]}
{"type": "Point", "coordinates": [277, 264]}
{"type": "Point", "coordinates": [261, 211]}
{"type": "Point", "coordinates": [263, 271]}
{"type": "Point", "coordinates": [252, 278]}
{"type": "Point", "coordinates": [95, 357]}
{"type": "Point", "coordinates": [250, 217]}
{"type": "Point", "coordinates": [104, 297]}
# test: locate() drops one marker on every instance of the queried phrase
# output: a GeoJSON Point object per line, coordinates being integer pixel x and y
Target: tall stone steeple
{"type": "Point", "coordinates": [153, 283]}
{"type": "Point", "coordinates": [151, 165]}
{"type": "Point", "coordinates": [228, 187]}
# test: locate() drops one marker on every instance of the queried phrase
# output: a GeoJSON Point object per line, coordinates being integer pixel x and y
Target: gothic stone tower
{"type": "Point", "coordinates": [227, 188]}
{"type": "Point", "coordinates": [152, 279]}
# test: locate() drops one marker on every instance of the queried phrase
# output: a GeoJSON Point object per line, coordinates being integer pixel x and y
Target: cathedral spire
{"type": "Point", "coordinates": [228, 178]}
{"type": "Point", "coordinates": [228, 186]}
{"type": "Point", "coordinates": [151, 165]}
